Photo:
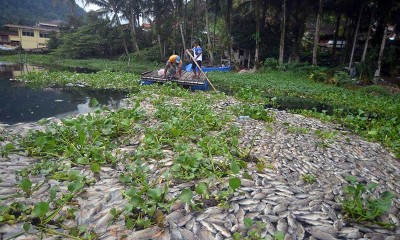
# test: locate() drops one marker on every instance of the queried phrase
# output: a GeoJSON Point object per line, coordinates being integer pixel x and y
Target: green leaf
{"type": "Point", "coordinates": [373, 132]}
{"type": "Point", "coordinates": [386, 195]}
{"type": "Point", "coordinates": [9, 147]}
{"type": "Point", "coordinates": [40, 209]}
{"type": "Point", "coordinates": [201, 188]}
{"type": "Point", "coordinates": [26, 226]}
{"type": "Point", "coordinates": [248, 222]}
{"type": "Point", "coordinates": [136, 201]}
{"type": "Point", "coordinates": [43, 121]}
{"type": "Point", "coordinates": [235, 167]}
{"type": "Point", "coordinates": [129, 223]}
{"type": "Point", "coordinates": [93, 102]}
{"type": "Point", "coordinates": [278, 235]}
{"type": "Point", "coordinates": [74, 186]}
{"type": "Point", "coordinates": [186, 195]}
{"type": "Point", "coordinates": [155, 193]}
{"type": "Point", "coordinates": [25, 185]}
{"type": "Point", "coordinates": [113, 212]}
{"type": "Point", "coordinates": [234, 183]}
{"type": "Point", "coordinates": [68, 122]}
{"type": "Point", "coordinates": [371, 186]}
{"type": "Point", "coordinates": [82, 160]}
{"type": "Point", "coordinates": [237, 236]}
{"type": "Point", "coordinates": [351, 179]}
{"type": "Point", "coordinates": [95, 167]}
{"type": "Point", "coordinates": [53, 192]}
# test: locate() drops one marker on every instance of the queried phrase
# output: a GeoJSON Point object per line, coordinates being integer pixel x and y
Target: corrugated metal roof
{"type": "Point", "coordinates": [30, 28]}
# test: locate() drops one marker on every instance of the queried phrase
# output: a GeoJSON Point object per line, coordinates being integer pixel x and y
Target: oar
{"type": "Point", "coordinates": [200, 69]}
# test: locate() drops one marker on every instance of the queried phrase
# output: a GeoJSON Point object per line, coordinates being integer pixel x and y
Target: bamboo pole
{"type": "Point", "coordinates": [201, 70]}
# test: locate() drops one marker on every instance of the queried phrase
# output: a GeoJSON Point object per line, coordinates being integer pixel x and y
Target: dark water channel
{"type": "Point", "coordinates": [19, 103]}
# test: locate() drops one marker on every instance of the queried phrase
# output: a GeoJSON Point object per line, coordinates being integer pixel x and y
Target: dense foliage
{"type": "Point", "coordinates": [27, 12]}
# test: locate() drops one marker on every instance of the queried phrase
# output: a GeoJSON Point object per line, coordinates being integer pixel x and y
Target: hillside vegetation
{"type": "Point", "coordinates": [27, 12]}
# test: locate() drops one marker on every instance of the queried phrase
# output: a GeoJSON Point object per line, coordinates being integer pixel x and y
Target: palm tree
{"type": "Point", "coordinates": [132, 9]}
{"type": "Point", "coordinates": [111, 8]}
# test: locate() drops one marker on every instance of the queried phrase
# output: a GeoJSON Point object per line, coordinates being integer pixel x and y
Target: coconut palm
{"type": "Point", "coordinates": [110, 8]}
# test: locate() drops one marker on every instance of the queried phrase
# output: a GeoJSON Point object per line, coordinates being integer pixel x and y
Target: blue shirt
{"type": "Point", "coordinates": [197, 52]}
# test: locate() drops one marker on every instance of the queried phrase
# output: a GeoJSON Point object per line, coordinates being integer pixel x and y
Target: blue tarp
{"type": "Point", "coordinates": [209, 69]}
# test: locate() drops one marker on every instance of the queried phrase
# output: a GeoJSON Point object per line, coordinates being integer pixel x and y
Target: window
{"type": "Point", "coordinates": [44, 35]}
{"type": "Point", "coordinates": [27, 33]}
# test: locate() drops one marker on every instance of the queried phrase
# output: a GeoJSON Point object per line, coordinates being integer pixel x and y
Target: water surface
{"type": "Point", "coordinates": [19, 103]}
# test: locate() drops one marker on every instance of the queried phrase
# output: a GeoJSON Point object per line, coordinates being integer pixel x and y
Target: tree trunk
{"type": "Point", "coordinates": [316, 36]}
{"type": "Point", "coordinates": [229, 4]}
{"type": "Point", "coordinates": [355, 38]}
{"type": "Point", "coordinates": [283, 26]}
{"type": "Point", "coordinates": [335, 36]}
{"type": "Point", "coordinates": [132, 23]}
{"type": "Point", "coordinates": [121, 30]}
{"type": "Point", "coordinates": [368, 36]}
{"type": "Point", "coordinates": [378, 71]}
{"type": "Point", "coordinates": [159, 43]}
{"type": "Point", "coordinates": [256, 55]}
{"type": "Point", "coordinates": [215, 24]}
{"type": "Point", "coordinates": [193, 18]}
{"type": "Point", "coordinates": [183, 37]}
{"type": "Point", "coordinates": [210, 52]}
{"type": "Point", "coordinates": [299, 19]}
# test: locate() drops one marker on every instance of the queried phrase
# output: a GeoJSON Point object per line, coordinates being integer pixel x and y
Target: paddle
{"type": "Point", "coordinates": [200, 69]}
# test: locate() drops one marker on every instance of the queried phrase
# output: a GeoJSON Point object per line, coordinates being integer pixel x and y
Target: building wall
{"type": "Point", "coordinates": [28, 41]}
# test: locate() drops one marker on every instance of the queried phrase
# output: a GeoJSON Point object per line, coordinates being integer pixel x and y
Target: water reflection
{"type": "Point", "coordinates": [19, 103]}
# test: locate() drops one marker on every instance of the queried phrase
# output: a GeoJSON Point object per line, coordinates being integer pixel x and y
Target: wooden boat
{"type": "Point", "coordinates": [186, 80]}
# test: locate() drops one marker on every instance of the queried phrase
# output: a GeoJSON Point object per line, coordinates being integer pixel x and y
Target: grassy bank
{"type": "Point", "coordinates": [90, 64]}
{"type": "Point", "coordinates": [372, 111]}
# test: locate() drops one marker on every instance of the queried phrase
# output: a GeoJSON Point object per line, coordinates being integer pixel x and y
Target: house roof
{"type": "Point", "coordinates": [27, 27]}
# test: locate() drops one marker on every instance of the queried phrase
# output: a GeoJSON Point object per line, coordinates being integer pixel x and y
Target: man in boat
{"type": "Point", "coordinates": [173, 67]}
{"type": "Point", "coordinates": [198, 57]}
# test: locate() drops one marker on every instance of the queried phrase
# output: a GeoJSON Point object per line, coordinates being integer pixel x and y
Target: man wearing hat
{"type": "Point", "coordinates": [173, 62]}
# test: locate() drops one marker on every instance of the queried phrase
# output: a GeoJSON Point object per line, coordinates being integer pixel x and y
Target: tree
{"type": "Point", "coordinates": [95, 39]}
{"type": "Point", "coordinates": [380, 57]}
{"type": "Point", "coordinates": [283, 26]}
{"type": "Point", "coordinates": [257, 51]}
{"type": "Point", "coordinates": [132, 9]}
{"type": "Point", "coordinates": [112, 8]}
{"type": "Point", "coordinates": [355, 37]}
{"type": "Point", "coordinates": [209, 49]}
{"type": "Point", "coordinates": [316, 35]}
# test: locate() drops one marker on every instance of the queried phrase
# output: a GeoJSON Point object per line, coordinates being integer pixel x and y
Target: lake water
{"type": "Point", "coordinates": [19, 103]}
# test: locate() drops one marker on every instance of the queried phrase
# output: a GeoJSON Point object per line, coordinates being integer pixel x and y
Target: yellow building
{"type": "Point", "coordinates": [29, 38]}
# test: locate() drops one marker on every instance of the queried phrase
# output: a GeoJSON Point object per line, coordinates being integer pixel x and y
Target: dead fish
{"type": "Point", "coordinates": [248, 202]}
{"type": "Point", "coordinates": [208, 226]}
{"type": "Point", "coordinates": [103, 221]}
{"type": "Point", "coordinates": [196, 228]}
{"type": "Point", "coordinates": [300, 232]}
{"type": "Point", "coordinates": [279, 208]}
{"type": "Point", "coordinates": [282, 225]}
{"type": "Point", "coordinates": [213, 210]}
{"type": "Point", "coordinates": [201, 217]}
{"type": "Point", "coordinates": [173, 217]}
{"type": "Point", "coordinates": [187, 235]}
{"type": "Point", "coordinates": [176, 234]}
{"type": "Point", "coordinates": [184, 220]}
{"type": "Point", "coordinates": [205, 235]}
{"type": "Point", "coordinates": [222, 230]}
